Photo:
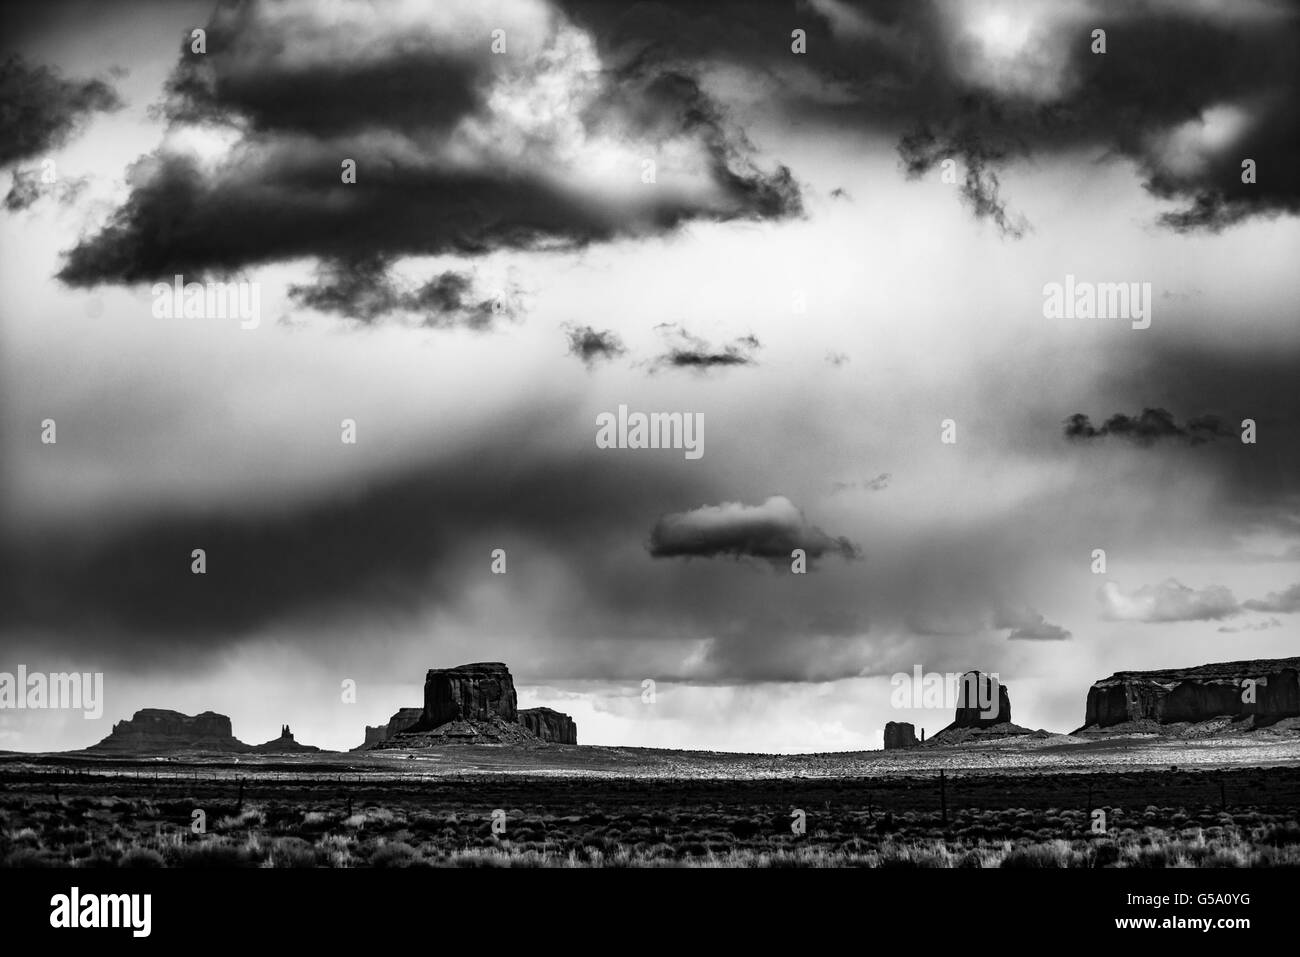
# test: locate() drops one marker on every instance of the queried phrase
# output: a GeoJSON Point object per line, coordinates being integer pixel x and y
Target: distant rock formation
{"type": "Point", "coordinates": [284, 744]}
{"type": "Point", "coordinates": [402, 720]}
{"type": "Point", "coordinates": [977, 718]}
{"type": "Point", "coordinates": [474, 692]}
{"type": "Point", "coordinates": [1197, 694]}
{"type": "Point", "coordinates": [471, 704]}
{"type": "Point", "coordinates": [975, 700]}
{"type": "Point", "coordinates": [156, 729]}
{"type": "Point", "coordinates": [550, 725]}
{"type": "Point", "coordinates": [900, 734]}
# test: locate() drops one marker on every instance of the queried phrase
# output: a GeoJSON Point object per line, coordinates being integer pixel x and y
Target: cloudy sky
{"type": "Point", "coordinates": [804, 269]}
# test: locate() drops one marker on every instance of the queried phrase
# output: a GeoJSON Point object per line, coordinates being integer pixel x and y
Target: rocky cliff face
{"type": "Point", "coordinates": [403, 720]}
{"type": "Point", "coordinates": [155, 729]}
{"type": "Point", "coordinates": [1197, 694]}
{"type": "Point", "coordinates": [550, 725]}
{"type": "Point", "coordinates": [474, 692]}
{"type": "Point", "coordinates": [492, 731]}
{"type": "Point", "coordinates": [975, 702]}
{"type": "Point", "coordinates": [899, 734]}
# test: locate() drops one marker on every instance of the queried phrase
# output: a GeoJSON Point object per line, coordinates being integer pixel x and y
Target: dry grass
{"type": "Point", "coordinates": [38, 831]}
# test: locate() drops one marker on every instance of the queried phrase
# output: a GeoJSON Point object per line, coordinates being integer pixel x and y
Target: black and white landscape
{"type": "Point", "coordinates": [567, 433]}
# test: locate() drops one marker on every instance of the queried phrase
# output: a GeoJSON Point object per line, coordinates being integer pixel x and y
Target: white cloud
{"type": "Point", "coordinates": [1168, 601]}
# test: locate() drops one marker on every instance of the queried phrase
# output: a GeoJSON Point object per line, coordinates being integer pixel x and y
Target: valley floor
{"type": "Point", "coordinates": [1055, 802]}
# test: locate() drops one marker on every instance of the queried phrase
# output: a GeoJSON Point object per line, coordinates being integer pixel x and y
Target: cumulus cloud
{"type": "Point", "coordinates": [1168, 601]}
{"type": "Point", "coordinates": [769, 531]}
{"type": "Point", "coordinates": [1151, 426]}
{"type": "Point", "coordinates": [457, 150]}
{"type": "Point", "coordinates": [40, 110]}
{"type": "Point", "coordinates": [1028, 625]}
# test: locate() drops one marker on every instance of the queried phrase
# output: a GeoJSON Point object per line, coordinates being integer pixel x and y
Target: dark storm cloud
{"type": "Point", "coordinates": [40, 110]}
{"type": "Point", "coordinates": [392, 550]}
{"type": "Point", "coordinates": [428, 87]}
{"type": "Point", "coordinates": [924, 72]}
{"type": "Point", "coordinates": [1242, 380]}
{"type": "Point", "coordinates": [457, 151]}
{"type": "Point", "coordinates": [365, 289]}
{"type": "Point", "coordinates": [386, 547]}
{"type": "Point", "coordinates": [688, 351]}
{"type": "Point", "coordinates": [769, 531]}
{"type": "Point", "coordinates": [1149, 427]}
{"type": "Point", "coordinates": [591, 345]}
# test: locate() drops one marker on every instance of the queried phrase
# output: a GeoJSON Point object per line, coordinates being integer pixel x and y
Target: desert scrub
{"type": "Point", "coordinates": [212, 852]}
{"type": "Point", "coordinates": [394, 854]}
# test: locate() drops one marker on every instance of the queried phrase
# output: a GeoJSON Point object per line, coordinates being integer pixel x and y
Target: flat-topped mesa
{"type": "Point", "coordinates": [900, 734]}
{"type": "Point", "coordinates": [475, 692]}
{"type": "Point", "coordinates": [1266, 690]}
{"type": "Point", "coordinates": [976, 705]}
{"type": "Point", "coordinates": [550, 725]}
{"type": "Point", "coordinates": [471, 704]}
{"type": "Point", "coordinates": [157, 729]}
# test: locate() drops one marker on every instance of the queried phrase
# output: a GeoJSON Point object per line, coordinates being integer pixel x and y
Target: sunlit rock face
{"type": "Point", "coordinates": [1198, 694]}
{"type": "Point", "coordinates": [550, 725]}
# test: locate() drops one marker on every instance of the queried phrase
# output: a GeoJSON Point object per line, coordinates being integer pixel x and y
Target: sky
{"type": "Point", "coordinates": [804, 269]}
